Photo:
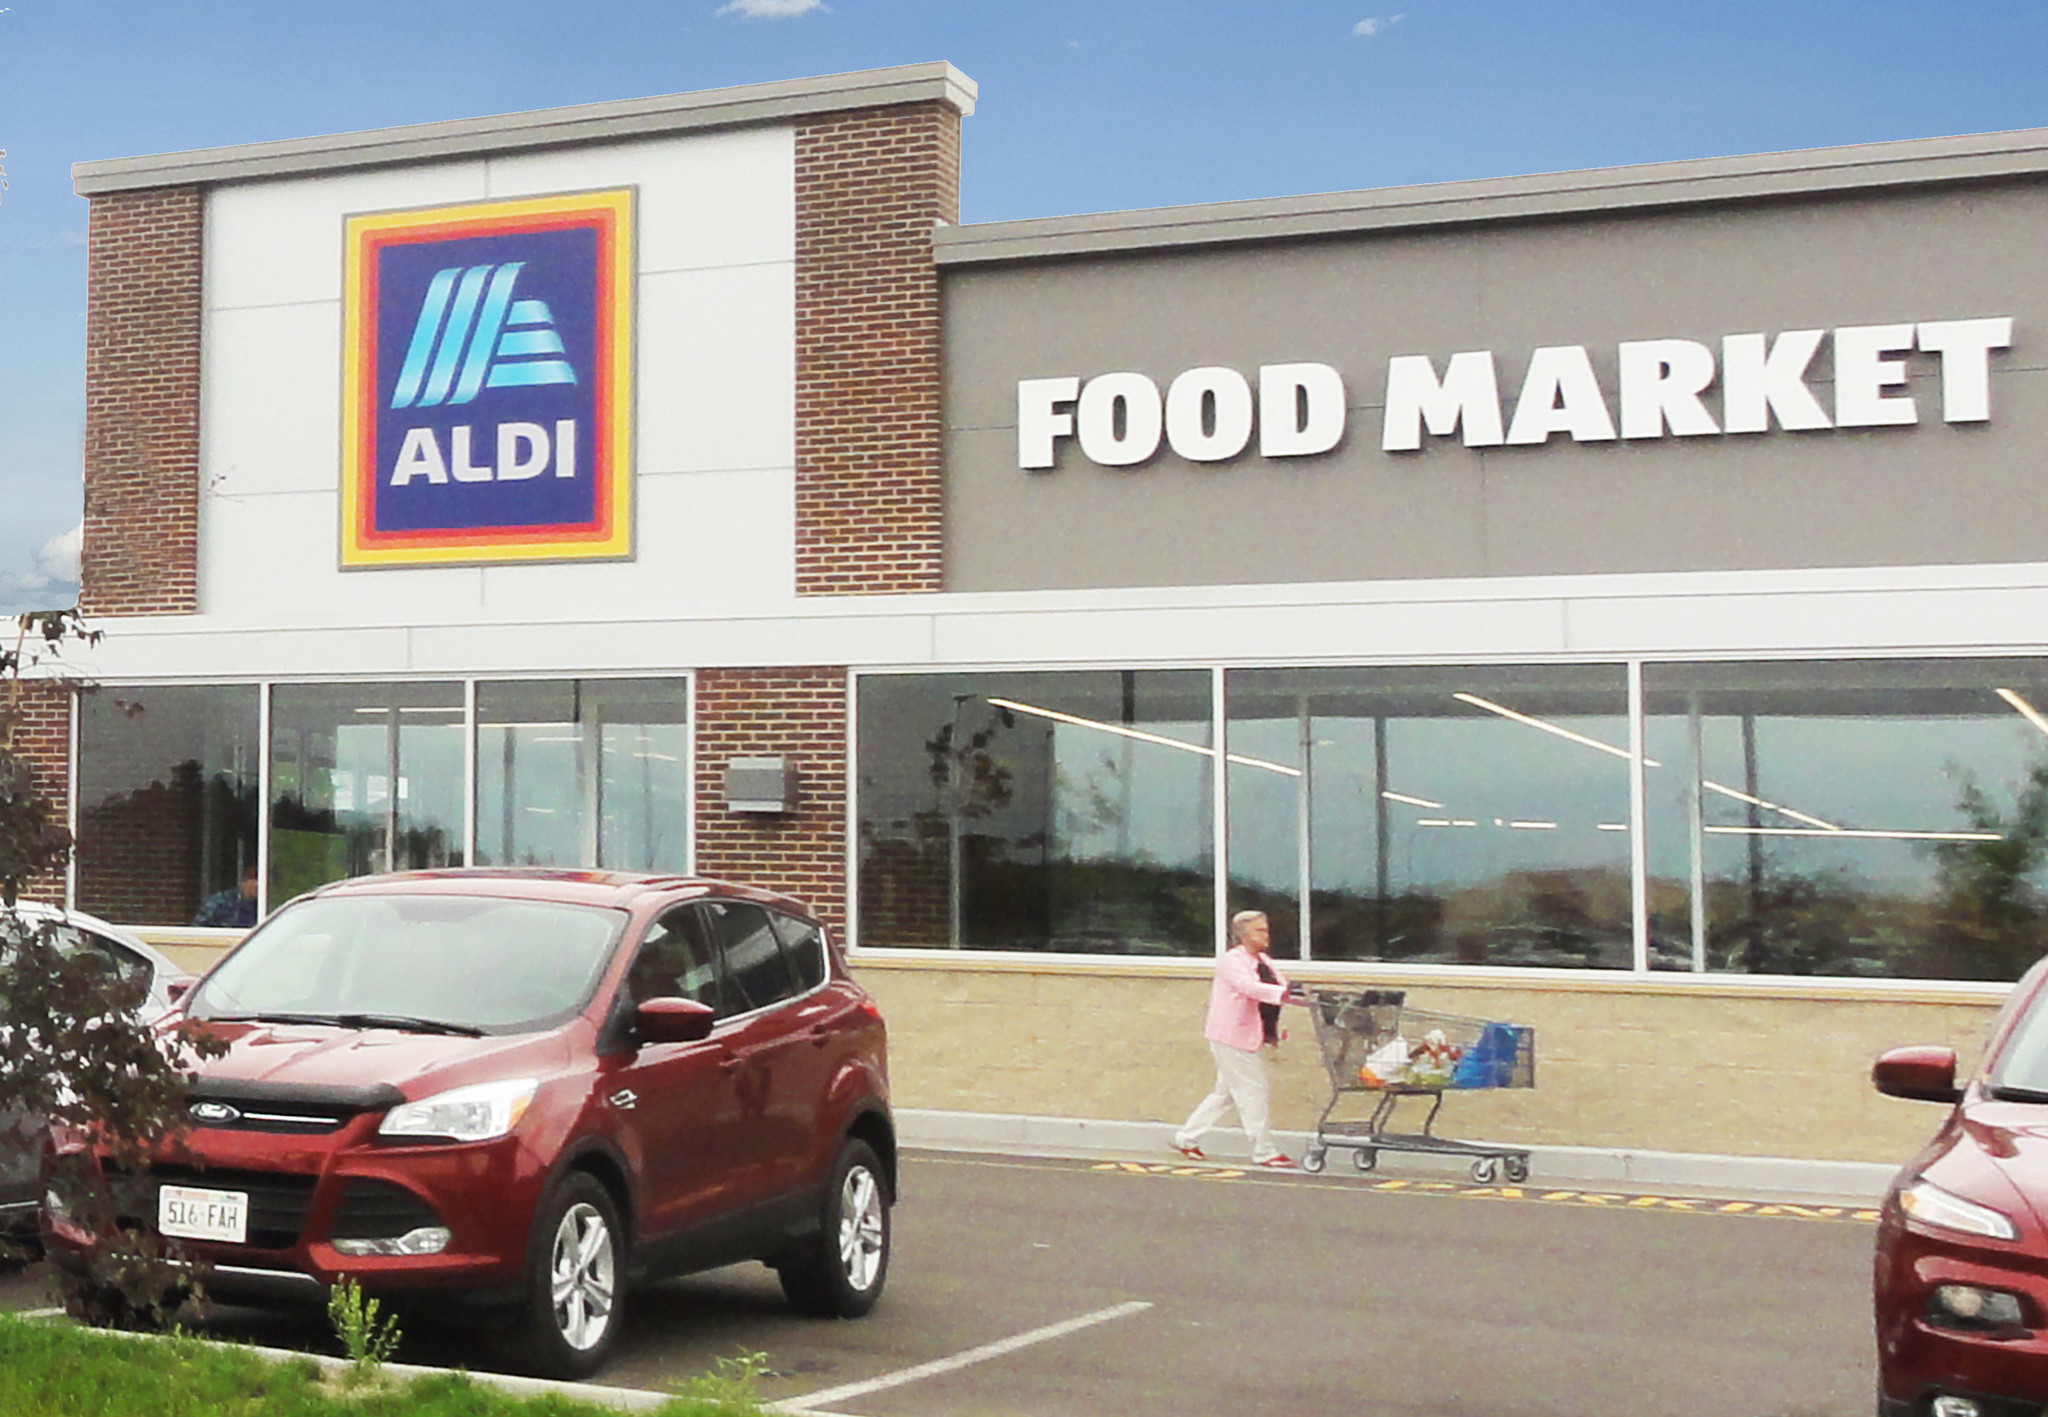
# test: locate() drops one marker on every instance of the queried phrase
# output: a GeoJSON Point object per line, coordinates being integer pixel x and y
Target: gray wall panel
{"type": "Point", "coordinates": [1932, 494]}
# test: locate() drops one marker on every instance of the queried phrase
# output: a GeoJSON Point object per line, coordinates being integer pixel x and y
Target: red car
{"type": "Point", "coordinates": [1962, 1244]}
{"type": "Point", "coordinates": [514, 1093]}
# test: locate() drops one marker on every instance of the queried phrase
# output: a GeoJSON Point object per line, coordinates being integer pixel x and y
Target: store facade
{"type": "Point", "coordinates": [1610, 601]}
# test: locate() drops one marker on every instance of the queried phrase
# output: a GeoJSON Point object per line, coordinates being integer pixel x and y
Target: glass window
{"type": "Point", "coordinates": [1851, 817]}
{"type": "Point", "coordinates": [364, 778]}
{"type": "Point", "coordinates": [1444, 815]}
{"type": "Point", "coordinates": [583, 773]}
{"type": "Point", "coordinates": [167, 799]}
{"type": "Point", "coordinates": [677, 961]}
{"type": "Point", "coordinates": [804, 943]}
{"type": "Point", "coordinates": [1053, 811]}
{"type": "Point", "coordinates": [756, 973]}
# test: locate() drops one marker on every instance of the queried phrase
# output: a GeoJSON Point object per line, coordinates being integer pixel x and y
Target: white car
{"type": "Point", "coordinates": [127, 958]}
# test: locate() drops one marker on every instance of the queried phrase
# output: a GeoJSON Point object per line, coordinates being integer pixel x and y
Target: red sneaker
{"type": "Point", "coordinates": [1192, 1153]}
{"type": "Point", "coordinates": [1282, 1162]}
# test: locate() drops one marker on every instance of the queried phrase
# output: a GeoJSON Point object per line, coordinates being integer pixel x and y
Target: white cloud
{"type": "Point", "coordinates": [1366, 29]}
{"type": "Point", "coordinates": [59, 557]}
{"type": "Point", "coordinates": [51, 579]}
{"type": "Point", "coordinates": [770, 9]}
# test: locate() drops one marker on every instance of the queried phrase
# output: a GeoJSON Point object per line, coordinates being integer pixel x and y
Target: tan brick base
{"type": "Point", "coordinates": [1657, 1069]}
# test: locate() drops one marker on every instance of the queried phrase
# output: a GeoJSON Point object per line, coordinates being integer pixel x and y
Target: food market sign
{"type": "Point", "coordinates": [1675, 388]}
{"type": "Point", "coordinates": [487, 377]}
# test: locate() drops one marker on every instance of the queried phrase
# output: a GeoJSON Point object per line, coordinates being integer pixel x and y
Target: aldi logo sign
{"type": "Point", "coordinates": [487, 409]}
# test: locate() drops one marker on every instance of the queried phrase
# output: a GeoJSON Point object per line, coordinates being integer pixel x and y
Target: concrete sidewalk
{"type": "Point", "coordinates": [1752, 1177]}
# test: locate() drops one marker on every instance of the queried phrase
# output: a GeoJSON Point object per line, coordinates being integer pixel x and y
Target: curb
{"type": "Point", "coordinates": [1861, 1182]}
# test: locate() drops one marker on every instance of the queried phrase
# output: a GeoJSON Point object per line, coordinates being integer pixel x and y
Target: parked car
{"type": "Point", "coordinates": [1962, 1241]}
{"type": "Point", "coordinates": [515, 1093]}
{"type": "Point", "coordinates": [127, 959]}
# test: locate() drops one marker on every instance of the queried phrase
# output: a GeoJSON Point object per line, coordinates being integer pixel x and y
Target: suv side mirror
{"type": "Point", "coordinates": [672, 1021]}
{"type": "Point", "coordinates": [178, 989]}
{"type": "Point", "coordinates": [1917, 1074]}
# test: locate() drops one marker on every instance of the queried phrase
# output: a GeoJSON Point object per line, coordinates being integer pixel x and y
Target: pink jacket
{"type": "Point", "coordinates": [1235, 997]}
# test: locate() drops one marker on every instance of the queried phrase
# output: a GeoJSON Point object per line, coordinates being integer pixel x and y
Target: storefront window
{"type": "Point", "coordinates": [1060, 811]}
{"type": "Point", "coordinates": [364, 778]}
{"type": "Point", "coordinates": [1885, 818]}
{"type": "Point", "coordinates": [1441, 815]}
{"type": "Point", "coordinates": [167, 794]}
{"type": "Point", "coordinates": [588, 772]}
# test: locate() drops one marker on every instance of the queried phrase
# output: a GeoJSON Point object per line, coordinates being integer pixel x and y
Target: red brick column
{"type": "Point", "coordinates": [870, 185]}
{"type": "Point", "coordinates": [142, 403]}
{"type": "Point", "coordinates": [800, 713]}
{"type": "Point", "coordinates": [43, 739]}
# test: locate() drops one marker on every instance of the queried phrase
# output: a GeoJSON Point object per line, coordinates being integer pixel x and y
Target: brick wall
{"type": "Point", "coordinates": [142, 403]}
{"type": "Point", "coordinates": [43, 739]}
{"type": "Point", "coordinates": [799, 712]}
{"type": "Point", "coordinates": [869, 187]}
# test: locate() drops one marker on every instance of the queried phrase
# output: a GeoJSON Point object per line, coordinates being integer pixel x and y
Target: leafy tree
{"type": "Point", "coordinates": [1992, 920]}
{"type": "Point", "coordinates": [73, 1047]}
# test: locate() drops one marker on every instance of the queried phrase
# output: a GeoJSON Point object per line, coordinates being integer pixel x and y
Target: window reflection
{"type": "Point", "coordinates": [583, 773]}
{"type": "Point", "coordinates": [1066, 812]}
{"type": "Point", "coordinates": [364, 778]}
{"type": "Point", "coordinates": [1849, 817]}
{"type": "Point", "coordinates": [1434, 815]}
{"type": "Point", "coordinates": [167, 790]}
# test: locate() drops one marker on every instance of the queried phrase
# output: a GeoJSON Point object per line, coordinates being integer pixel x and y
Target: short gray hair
{"type": "Point", "coordinates": [1239, 921]}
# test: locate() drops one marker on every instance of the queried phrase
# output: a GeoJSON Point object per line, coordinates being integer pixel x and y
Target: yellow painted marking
{"type": "Point", "coordinates": [1689, 1205]}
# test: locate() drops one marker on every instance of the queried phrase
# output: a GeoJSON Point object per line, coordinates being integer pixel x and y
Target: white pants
{"type": "Point", "coordinates": [1240, 1083]}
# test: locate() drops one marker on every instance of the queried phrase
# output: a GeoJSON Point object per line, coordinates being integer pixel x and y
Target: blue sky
{"type": "Point", "coordinates": [1086, 105]}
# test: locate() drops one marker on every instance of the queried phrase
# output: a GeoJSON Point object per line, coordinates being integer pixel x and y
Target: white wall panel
{"type": "Point", "coordinates": [714, 400]}
{"type": "Point", "coordinates": [718, 369]}
{"type": "Point", "coordinates": [279, 243]}
{"type": "Point", "coordinates": [710, 543]}
{"type": "Point", "coordinates": [289, 438]}
{"type": "Point", "coordinates": [270, 560]}
{"type": "Point", "coordinates": [723, 200]}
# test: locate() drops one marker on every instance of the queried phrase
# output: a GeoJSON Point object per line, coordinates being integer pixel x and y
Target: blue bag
{"type": "Point", "coordinates": [1491, 1061]}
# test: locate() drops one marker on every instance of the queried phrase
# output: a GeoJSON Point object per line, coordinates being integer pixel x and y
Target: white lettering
{"type": "Point", "coordinates": [1760, 382]}
{"type": "Point", "coordinates": [419, 456]}
{"type": "Point", "coordinates": [1862, 374]}
{"type": "Point", "coordinates": [1040, 420]}
{"type": "Point", "coordinates": [1120, 419]}
{"type": "Point", "coordinates": [1468, 396]}
{"type": "Point", "coordinates": [458, 457]}
{"type": "Point", "coordinates": [1965, 348]}
{"type": "Point", "coordinates": [1301, 409]}
{"type": "Point", "coordinates": [515, 465]}
{"type": "Point", "coordinates": [565, 447]}
{"type": "Point", "coordinates": [1209, 414]}
{"type": "Point", "coordinates": [1661, 384]}
{"type": "Point", "coordinates": [1560, 395]}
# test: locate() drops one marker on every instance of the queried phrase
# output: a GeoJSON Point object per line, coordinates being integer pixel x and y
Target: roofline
{"type": "Point", "coordinates": [1863, 167]}
{"type": "Point", "coordinates": [541, 128]}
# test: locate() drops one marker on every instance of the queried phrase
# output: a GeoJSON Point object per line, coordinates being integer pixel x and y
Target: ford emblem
{"type": "Point", "coordinates": [217, 1114]}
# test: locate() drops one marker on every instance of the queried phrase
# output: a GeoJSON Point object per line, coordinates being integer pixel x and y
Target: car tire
{"type": "Point", "coordinates": [838, 1273]}
{"type": "Point", "coordinates": [574, 1301]}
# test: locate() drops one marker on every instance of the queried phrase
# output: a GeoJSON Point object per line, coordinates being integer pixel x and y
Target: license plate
{"type": "Point", "coordinates": [190, 1213]}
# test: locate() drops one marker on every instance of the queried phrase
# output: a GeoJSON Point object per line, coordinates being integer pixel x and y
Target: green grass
{"type": "Point", "coordinates": [57, 1370]}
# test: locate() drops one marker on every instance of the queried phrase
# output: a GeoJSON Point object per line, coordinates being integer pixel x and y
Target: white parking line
{"type": "Point", "coordinates": [815, 1400]}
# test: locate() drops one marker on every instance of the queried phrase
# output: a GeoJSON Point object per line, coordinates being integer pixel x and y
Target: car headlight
{"type": "Point", "coordinates": [1931, 1205]}
{"type": "Point", "coordinates": [476, 1113]}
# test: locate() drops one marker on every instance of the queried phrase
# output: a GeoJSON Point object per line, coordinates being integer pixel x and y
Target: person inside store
{"type": "Point", "coordinates": [233, 908]}
{"type": "Point", "coordinates": [1244, 1021]}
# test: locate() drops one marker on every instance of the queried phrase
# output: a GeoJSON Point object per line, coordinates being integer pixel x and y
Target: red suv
{"type": "Point", "coordinates": [517, 1092]}
{"type": "Point", "coordinates": [1962, 1242]}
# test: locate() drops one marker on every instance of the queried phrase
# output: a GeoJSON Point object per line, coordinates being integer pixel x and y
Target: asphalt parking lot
{"type": "Point", "coordinates": [1101, 1289]}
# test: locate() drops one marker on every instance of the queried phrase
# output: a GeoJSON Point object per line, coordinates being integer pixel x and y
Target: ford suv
{"type": "Point", "coordinates": [516, 1093]}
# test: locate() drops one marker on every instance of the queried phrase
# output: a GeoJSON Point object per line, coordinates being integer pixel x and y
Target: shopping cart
{"type": "Point", "coordinates": [1372, 1042]}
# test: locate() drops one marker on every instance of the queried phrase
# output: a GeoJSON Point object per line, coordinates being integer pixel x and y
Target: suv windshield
{"type": "Point", "coordinates": [429, 963]}
{"type": "Point", "coordinates": [2021, 1073]}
